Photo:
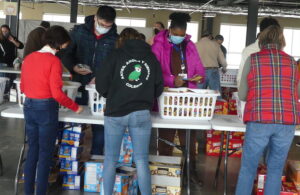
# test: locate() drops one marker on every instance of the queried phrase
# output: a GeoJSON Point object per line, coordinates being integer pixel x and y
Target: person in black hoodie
{"type": "Point", "coordinates": [130, 79]}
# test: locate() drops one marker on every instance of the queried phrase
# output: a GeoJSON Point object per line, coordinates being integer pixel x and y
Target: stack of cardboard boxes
{"type": "Point", "coordinates": [293, 172]}
{"type": "Point", "coordinates": [69, 154]}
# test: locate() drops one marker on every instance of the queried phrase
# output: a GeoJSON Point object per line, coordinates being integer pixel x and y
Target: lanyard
{"type": "Point", "coordinates": [181, 56]}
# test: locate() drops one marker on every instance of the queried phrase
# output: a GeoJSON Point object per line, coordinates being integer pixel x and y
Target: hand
{"type": "Point", "coordinates": [179, 82]}
{"type": "Point", "coordinates": [79, 110]}
{"type": "Point", "coordinates": [80, 71]}
{"type": "Point", "coordinates": [196, 78]}
{"type": "Point", "coordinates": [93, 81]}
{"type": "Point", "coordinates": [224, 70]}
{"type": "Point", "coordinates": [11, 39]}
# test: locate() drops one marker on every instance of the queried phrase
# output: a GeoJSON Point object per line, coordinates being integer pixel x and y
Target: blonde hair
{"type": "Point", "coordinates": [272, 35]}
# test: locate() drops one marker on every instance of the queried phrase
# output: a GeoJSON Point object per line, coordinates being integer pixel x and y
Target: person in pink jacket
{"type": "Point", "coordinates": [181, 67]}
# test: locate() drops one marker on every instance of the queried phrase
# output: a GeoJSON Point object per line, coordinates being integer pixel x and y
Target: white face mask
{"type": "Point", "coordinates": [101, 30]}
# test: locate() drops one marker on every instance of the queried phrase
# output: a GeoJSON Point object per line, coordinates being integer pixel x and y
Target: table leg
{"type": "Point", "coordinates": [219, 160]}
{"type": "Point", "coordinates": [19, 168]}
{"type": "Point", "coordinates": [187, 150]}
{"type": "Point", "coordinates": [225, 163]}
{"type": "Point", "coordinates": [1, 166]}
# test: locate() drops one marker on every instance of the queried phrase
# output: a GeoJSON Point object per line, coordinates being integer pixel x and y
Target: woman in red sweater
{"type": "Point", "coordinates": [41, 82]}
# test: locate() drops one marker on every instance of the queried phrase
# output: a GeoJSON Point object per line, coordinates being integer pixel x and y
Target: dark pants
{"type": "Point", "coordinates": [41, 124]}
{"type": "Point", "coordinates": [169, 134]}
{"type": "Point", "coordinates": [98, 130]}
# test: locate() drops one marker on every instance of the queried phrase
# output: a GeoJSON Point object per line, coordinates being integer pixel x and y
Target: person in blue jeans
{"type": "Point", "coordinates": [130, 80]}
{"type": "Point", "coordinates": [270, 87]}
{"type": "Point", "coordinates": [41, 82]}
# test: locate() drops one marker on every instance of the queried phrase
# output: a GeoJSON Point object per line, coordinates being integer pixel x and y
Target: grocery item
{"type": "Point", "coordinates": [69, 152]}
{"type": "Point", "coordinates": [71, 182]}
{"type": "Point", "coordinates": [70, 167]}
{"type": "Point", "coordinates": [93, 176]}
{"type": "Point", "coordinates": [221, 107]}
{"type": "Point", "coordinates": [71, 138]}
{"type": "Point", "coordinates": [165, 190]}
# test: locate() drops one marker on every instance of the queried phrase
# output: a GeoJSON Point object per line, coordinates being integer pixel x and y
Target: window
{"type": "Point", "coordinates": [61, 18]}
{"type": "Point", "coordinates": [3, 16]}
{"type": "Point", "coordinates": [192, 29]}
{"type": "Point", "coordinates": [133, 22]}
{"type": "Point", "coordinates": [292, 39]}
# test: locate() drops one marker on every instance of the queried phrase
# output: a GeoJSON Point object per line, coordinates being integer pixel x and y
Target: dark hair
{"type": "Point", "coordinates": [179, 20]}
{"type": "Point", "coordinates": [206, 33]}
{"type": "Point", "coordinates": [45, 24]}
{"type": "Point", "coordinates": [5, 26]}
{"type": "Point", "coordinates": [106, 13]}
{"type": "Point", "coordinates": [272, 35]}
{"type": "Point", "coordinates": [219, 37]}
{"type": "Point", "coordinates": [161, 24]}
{"type": "Point", "coordinates": [56, 36]}
{"type": "Point", "coordinates": [127, 34]}
{"type": "Point", "coordinates": [266, 22]}
{"type": "Point", "coordinates": [142, 37]}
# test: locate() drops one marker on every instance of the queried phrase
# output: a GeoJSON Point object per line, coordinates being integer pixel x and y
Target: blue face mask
{"type": "Point", "coordinates": [176, 39]}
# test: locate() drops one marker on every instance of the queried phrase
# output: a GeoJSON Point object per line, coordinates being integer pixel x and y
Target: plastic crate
{"type": "Point", "coordinates": [3, 81]}
{"type": "Point", "coordinates": [69, 88]}
{"type": "Point", "coordinates": [184, 103]}
{"type": "Point", "coordinates": [240, 105]}
{"type": "Point", "coordinates": [229, 77]}
{"type": "Point", "coordinates": [96, 102]}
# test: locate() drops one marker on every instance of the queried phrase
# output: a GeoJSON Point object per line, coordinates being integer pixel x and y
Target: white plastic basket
{"type": "Point", "coordinates": [229, 77]}
{"type": "Point", "coordinates": [3, 81]}
{"type": "Point", "coordinates": [184, 103]}
{"type": "Point", "coordinates": [240, 105]}
{"type": "Point", "coordinates": [97, 103]}
{"type": "Point", "coordinates": [69, 88]}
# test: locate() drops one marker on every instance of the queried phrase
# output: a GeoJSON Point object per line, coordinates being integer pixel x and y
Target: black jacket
{"type": "Point", "coordinates": [8, 51]}
{"type": "Point", "coordinates": [86, 49]}
{"type": "Point", "coordinates": [130, 79]}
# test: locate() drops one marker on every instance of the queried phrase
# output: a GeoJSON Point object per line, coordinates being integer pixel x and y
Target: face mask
{"type": "Point", "coordinates": [176, 39]}
{"type": "Point", "coordinates": [156, 31]}
{"type": "Point", "coordinates": [6, 35]}
{"type": "Point", "coordinates": [100, 29]}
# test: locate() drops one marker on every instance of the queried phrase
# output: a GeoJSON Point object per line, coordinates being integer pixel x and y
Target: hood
{"type": "Point", "coordinates": [89, 23]}
{"type": "Point", "coordinates": [163, 37]}
{"type": "Point", "coordinates": [136, 48]}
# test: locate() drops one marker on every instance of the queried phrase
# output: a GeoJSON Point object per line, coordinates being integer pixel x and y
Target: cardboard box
{"type": "Point", "coordinates": [227, 92]}
{"type": "Point", "coordinates": [213, 146]}
{"type": "Point", "coordinates": [287, 188]}
{"type": "Point", "coordinates": [71, 182]}
{"type": "Point", "coordinates": [126, 151]}
{"type": "Point", "coordinates": [167, 170]}
{"type": "Point", "coordinates": [165, 190]}
{"type": "Point", "coordinates": [93, 175]}
{"type": "Point", "coordinates": [69, 152]}
{"type": "Point", "coordinates": [71, 138]}
{"type": "Point", "coordinates": [293, 170]}
{"type": "Point", "coordinates": [213, 134]}
{"type": "Point", "coordinates": [221, 107]}
{"type": "Point", "coordinates": [70, 167]}
{"type": "Point", "coordinates": [77, 128]}
{"type": "Point", "coordinates": [232, 107]}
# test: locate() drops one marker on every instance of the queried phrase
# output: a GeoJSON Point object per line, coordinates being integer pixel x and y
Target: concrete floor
{"type": "Point", "coordinates": [11, 138]}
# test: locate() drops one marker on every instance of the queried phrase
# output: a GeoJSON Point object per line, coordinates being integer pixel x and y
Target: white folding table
{"type": "Point", "coordinates": [12, 70]}
{"type": "Point", "coordinates": [86, 117]}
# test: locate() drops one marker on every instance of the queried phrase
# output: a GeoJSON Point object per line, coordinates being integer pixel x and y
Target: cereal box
{"type": "Point", "coordinates": [69, 152]}
{"type": "Point", "coordinates": [232, 109]}
{"type": "Point", "coordinates": [93, 176]}
{"type": "Point", "coordinates": [165, 190]}
{"type": "Point", "coordinates": [221, 107]}
{"type": "Point", "coordinates": [71, 138]}
{"type": "Point", "coordinates": [70, 167]}
{"type": "Point", "coordinates": [71, 182]}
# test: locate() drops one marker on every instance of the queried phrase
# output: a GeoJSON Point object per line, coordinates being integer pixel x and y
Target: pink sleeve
{"type": "Point", "coordinates": [56, 85]}
{"type": "Point", "coordinates": [157, 49]}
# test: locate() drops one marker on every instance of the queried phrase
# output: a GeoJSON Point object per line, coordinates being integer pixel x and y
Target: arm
{"type": "Point", "coordinates": [243, 87]}
{"type": "Point", "coordinates": [104, 75]}
{"type": "Point", "coordinates": [159, 81]}
{"type": "Point", "coordinates": [240, 70]}
{"type": "Point", "coordinates": [221, 58]}
{"type": "Point", "coordinates": [16, 42]}
{"type": "Point", "coordinates": [56, 85]}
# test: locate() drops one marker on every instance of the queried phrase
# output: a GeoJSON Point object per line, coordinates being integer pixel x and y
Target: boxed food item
{"type": "Point", "coordinates": [227, 92]}
{"type": "Point", "coordinates": [293, 170]}
{"type": "Point", "coordinates": [93, 176]}
{"type": "Point", "coordinates": [74, 128]}
{"type": "Point", "coordinates": [69, 152]}
{"type": "Point", "coordinates": [213, 147]}
{"type": "Point", "coordinates": [71, 138]}
{"type": "Point", "coordinates": [70, 166]}
{"type": "Point", "coordinates": [166, 171]}
{"type": "Point", "coordinates": [287, 188]}
{"type": "Point", "coordinates": [126, 151]}
{"type": "Point", "coordinates": [232, 107]}
{"type": "Point", "coordinates": [71, 182]}
{"type": "Point", "coordinates": [133, 185]}
{"type": "Point", "coordinates": [221, 107]}
{"type": "Point", "coordinates": [237, 135]}
{"type": "Point", "coordinates": [165, 190]}
{"type": "Point", "coordinates": [213, 134]}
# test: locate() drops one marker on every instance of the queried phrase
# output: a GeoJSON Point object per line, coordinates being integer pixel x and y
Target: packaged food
{"type": "Point", "coordinates": [69, 152]}
{"type": "Point", "coordinates": [71, 182]}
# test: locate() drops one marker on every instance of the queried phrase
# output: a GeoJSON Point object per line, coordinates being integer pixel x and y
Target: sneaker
{"type": "Point", "coordinates": [298, 144]}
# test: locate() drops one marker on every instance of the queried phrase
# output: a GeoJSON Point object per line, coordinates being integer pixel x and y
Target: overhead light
{"type": "Point", "coordinates": [209, 15]}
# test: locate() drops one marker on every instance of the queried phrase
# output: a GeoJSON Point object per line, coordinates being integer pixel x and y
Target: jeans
{"type": "Point", "coordinates": [41, 124]}
{"type": "Point", "coordinates": [98, 130]}
{"type": "Point", "coordinates": [139, 126]}
{"type": "Point", "coordinates": [278, 138]}
{"type": "Point", "coordinates": [212, 80]}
